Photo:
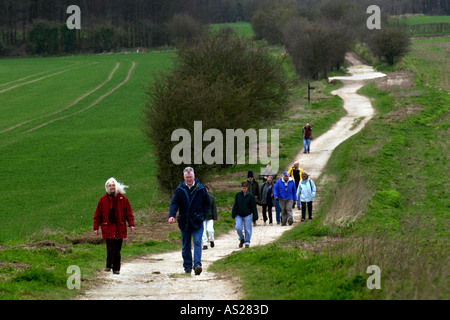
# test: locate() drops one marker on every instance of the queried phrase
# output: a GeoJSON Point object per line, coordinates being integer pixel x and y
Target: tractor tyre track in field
{"type": "Point", "coordinates": [38, 74]}
{"type": "Point", "coordinates": [91, 105]}
{"type": "Point", "coordinates": [25, 78]}
{"type": "Point", "coordinates": [33, 81]}
{"type": "Point", "coordinates": [160, 276]}
{"type": "Point", "coordinates": [69, 106]}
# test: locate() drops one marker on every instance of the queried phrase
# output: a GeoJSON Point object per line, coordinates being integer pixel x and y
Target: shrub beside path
{"type": "Point", "coordinates": [161, 277]}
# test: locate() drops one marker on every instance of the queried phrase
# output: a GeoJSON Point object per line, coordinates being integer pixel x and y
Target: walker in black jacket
{"type": "Point", "coordinates": [244, 211]}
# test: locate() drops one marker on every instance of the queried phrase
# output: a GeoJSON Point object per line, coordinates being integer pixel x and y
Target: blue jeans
{"type": "Point", "coordinates": [248, 222]}
{"type": "Point", "coordinates": [306, 144]}
{"type": "Point", "coordinates": [186, 252]}
{"type": "Point", "coordinates": [277, 211]}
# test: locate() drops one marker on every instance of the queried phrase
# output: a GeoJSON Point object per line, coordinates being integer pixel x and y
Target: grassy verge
{"type": "Point", "coordinates": [39, 270]}
{"type": "Point", "coordinates": [384, 202]}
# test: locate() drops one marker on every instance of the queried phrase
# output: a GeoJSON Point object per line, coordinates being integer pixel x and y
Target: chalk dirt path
{"type": "Point", "coordinates": [160, 276]}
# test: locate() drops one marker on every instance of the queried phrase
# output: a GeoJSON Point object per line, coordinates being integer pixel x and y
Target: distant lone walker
{"type": "Point", "coordinates": [307, 136]}
{"type": "Point", "coordinates": [112, 212]}
{"type": "Point", "coordinates": [192, 201]}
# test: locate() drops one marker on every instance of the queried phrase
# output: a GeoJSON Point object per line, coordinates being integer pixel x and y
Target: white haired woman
{"type": "Point", "coordinates": [113, 209]}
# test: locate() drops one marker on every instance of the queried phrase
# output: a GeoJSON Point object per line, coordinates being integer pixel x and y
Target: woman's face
{"type": "Point", "coordinates": [111, 187]}
{"type": "Point", "coordinates": [304, 176]}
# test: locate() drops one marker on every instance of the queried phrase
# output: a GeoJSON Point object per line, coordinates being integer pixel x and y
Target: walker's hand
{"type": "Point", "coordinates": [96, 232]}
{"type": "Point", "coordinates": [132, 228]}
{"type": "Point", "coordinates": [171, 220]}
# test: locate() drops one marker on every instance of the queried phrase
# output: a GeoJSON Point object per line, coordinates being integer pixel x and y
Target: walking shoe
{"type": "Point", "coordinates": [212, 244]}
{"type": "Point", "coordinates": [198, 270]}
{"type": "Point", "coordinates": [205, 247]}
{"type": "Point", "coordinates": [290, 221]}
{"type": "Point", "coordinates": [116, 272]}
{"type": "Point", "coordinates": [188, 271]}
{"type": "Point", "coordinates": [107, 269]}
{"type": "Point", "coordinates": [241, 243]}
{"type": "Point", "coordinates": [247, 246]}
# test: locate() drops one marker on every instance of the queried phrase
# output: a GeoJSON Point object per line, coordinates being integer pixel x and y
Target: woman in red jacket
{"type": "Point", "coordinates": [112, 213]}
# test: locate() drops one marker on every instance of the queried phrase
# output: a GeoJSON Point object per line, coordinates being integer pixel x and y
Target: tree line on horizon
{"type": "Point", "coordinates": [38, 27]}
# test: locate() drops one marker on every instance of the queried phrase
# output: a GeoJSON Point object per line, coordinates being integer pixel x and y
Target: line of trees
{"type": "Point", "coordinates": [39, 26]}
{"type": "Point", "coordinates": [105, 24]}
{"type": "Point", "coordinates": [398, 7]}
{"type": "Point", "coordinates": [318, 35]}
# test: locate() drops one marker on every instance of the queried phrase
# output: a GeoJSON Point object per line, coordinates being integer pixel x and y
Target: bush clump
{"type": "Point", "coordinates": [222, 80]}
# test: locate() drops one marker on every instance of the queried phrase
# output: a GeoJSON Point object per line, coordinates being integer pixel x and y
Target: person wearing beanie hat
{"type": "Point", "coordinates": [253, 188]}
{"type": "Point", "coordinates": [286, 193]}
{"type": "Point", "coordinates": [244, 208]}
{"type": "Point", "coordinates": [295, 172]}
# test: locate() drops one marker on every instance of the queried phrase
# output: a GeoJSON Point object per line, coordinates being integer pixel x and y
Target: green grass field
{"type": "Point", "coordinates": [53, 174]}
{"type": "Point", "coordinates": [241, 28]}
{"type": "Point", "coordinates": [421, 25]}
{"type": "Point", "coordinates": [422, 19]}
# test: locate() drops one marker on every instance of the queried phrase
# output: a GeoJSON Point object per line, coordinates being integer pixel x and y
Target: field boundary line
{"type": "Point", "coordinates": [69, 106]}
{"type": "Point", "coordinates": [91, 105]}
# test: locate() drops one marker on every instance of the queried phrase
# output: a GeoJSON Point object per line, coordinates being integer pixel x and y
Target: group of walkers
{"type": "Point", "coordinates": [197, 210]}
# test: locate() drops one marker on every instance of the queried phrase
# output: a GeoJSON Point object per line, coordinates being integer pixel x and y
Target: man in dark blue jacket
{"type": "Point", "coordinates": [192, 201]}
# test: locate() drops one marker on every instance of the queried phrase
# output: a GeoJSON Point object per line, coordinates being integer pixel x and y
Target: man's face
{"type": "Point", "coordinates": [189, 178]}
{"type": "Point", "coordinates": [244, 189]}
{"type": "Point", "coordinates": [285, 178]}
